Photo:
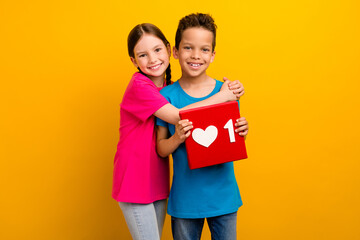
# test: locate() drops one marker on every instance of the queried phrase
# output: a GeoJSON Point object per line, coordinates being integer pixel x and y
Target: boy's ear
{"type": "Point", "coordinates": [212, 56]}
{"type": "Point", "coordinates": [134, 62]}
{"type": "Point", "coordinates": [175, 53]}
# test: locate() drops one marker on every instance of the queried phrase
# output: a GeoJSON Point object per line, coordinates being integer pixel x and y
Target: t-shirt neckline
{"type": "Point", "coordinates": [195, 98]}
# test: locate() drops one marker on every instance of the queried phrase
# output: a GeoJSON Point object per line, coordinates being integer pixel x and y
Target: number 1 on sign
{"type": "Point", "coordinates": [230, 127]}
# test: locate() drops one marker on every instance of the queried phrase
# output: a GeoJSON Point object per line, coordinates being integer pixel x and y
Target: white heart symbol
{"type": "Point", "coordinates": [205, 138]}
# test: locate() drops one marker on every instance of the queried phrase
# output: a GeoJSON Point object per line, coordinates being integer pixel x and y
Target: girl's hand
{"type": "Point", "coordinates": [182, 130]}
{"type": "Point", "coordinates": [227, 92]}
{"type": "Point", "coordinates": [236, 87]}
{"type": "Point", "coordinates": [242, 126]}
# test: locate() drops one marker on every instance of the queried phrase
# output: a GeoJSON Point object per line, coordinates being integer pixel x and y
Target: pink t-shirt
{"type": "Point", "coordinates": [140, 175]}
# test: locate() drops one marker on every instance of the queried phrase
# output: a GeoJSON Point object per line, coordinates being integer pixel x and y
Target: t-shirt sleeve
{"type": "Point", "coordinates": [144, 100]}
{"type": "Point", "coordinates": [160, 122]}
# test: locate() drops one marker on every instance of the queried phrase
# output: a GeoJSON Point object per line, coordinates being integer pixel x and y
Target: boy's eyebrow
{"type": "Point", "coordinates": [190, 43]}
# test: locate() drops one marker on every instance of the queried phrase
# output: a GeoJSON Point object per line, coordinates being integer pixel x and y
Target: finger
{"type": "Point", "coordinates": [238, 90]}
{"type": "Point", "coordinates": [244, 133]}
{"type": "Point", "coordinates": [187, 128]}
{"type": "Point", "coordinates": [183, 121]}
{"type": "Point", "coordinates": [225, 79]}
{"type": "Point", "coordinates": [227, 82]}
{"type": "Point", "coordinates": [238, 87]}
{"type": "Point", "coordinates": [238, 96]}
{"type": "Point", "coordinates": [236, 83]}
{"type": "Point", "coordinates": [241, 129]}
{"type": "Point", "coordinates": [241, 119]}
{"type": "Point", "coordinates": [184, 125]}
{"type": "Point", "coordinates": [241, 123]}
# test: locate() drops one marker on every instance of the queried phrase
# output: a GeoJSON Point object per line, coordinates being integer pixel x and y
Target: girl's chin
{"type": "Point", "coordinates": [154, 75]}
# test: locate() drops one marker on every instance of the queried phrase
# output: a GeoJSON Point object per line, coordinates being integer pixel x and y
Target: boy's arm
{"type": "Point", "coordinates": [165, 145]}
{"type": "Point", "coordinates": [170, 114]}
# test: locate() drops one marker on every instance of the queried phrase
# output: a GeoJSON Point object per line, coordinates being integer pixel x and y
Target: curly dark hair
{"type": "Point", "coordinates": [196, 20]}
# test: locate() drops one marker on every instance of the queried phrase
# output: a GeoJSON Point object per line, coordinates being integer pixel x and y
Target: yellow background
{"type": "Point", "coordinates": [63, 70]}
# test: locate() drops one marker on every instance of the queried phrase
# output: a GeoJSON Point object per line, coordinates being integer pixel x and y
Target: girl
{"type": "Point", "coordinates": [141, 177]}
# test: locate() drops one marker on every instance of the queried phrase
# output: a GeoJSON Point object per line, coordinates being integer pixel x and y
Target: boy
{"type": "Point", "coordinates": [210, 192]}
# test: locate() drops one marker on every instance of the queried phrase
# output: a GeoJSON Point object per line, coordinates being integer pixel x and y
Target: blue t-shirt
{"type": "Point", "coordinates": [204, 192]}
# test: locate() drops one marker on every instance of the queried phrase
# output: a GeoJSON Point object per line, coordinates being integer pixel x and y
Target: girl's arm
{"type": "Point", "coordinates": [165, 145]}
{"type": "Point", "coordinates": [170, 114]}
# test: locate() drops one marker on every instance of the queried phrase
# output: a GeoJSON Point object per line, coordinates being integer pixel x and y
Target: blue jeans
{"type": "Point", "coordinates": [145, 221]}
{"type": "Point", "coordinates": [221, 227]}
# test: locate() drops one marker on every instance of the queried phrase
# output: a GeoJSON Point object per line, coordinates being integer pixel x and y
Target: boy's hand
{"type": "Point", "coordinates": [182, 130]}
{"type": "Point", "coordinates": [242, 126]}
{"type": "Point", "coordinates": [236, 86]}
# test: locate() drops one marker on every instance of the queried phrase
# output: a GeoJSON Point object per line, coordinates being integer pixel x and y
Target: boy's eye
{"type": "Point", "coordinates": [187, 47]}
{"type": "Point", "coordinates": [158, 50]}
{"type": "Point", "coordinates": [206, 50]}
{"type": "Point", "coordinates": [142, 55]}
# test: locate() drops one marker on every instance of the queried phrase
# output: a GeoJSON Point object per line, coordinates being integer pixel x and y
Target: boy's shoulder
{"type": "Point", "coordinates": [170, 89]}
{"type": "Point", "coordinates": [175, 89]}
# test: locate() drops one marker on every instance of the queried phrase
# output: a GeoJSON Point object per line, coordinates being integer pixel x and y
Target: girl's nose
{"type": "Point", "coordinates": [152, 58]}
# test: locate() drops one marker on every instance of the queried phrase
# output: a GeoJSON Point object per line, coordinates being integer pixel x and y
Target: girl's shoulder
{"type": "Point", "coordinates": [141, 81]}
{"type": "Point", "coordinates": [138, 77]}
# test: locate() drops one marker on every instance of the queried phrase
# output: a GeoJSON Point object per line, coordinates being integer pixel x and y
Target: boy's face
{"type": "Point", "coordinates": [195, 51]}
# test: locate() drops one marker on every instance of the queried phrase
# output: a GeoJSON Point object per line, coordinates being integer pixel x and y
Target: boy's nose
{"type": "Point", "coordinates": [195, 55]}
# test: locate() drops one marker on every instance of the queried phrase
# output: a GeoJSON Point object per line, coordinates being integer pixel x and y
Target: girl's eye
{"type": "Point", "coordinates": [158, 50]}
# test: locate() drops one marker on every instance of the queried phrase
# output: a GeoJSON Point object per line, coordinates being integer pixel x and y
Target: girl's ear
{"type": "Point", "coordinates": [134, 62]}
{"type": "Point", "coordinates": [168, 47]}
{"type": "Point", "coordinates": [175, 53]}
{"type": "Point", "coordinates": [212, 56]}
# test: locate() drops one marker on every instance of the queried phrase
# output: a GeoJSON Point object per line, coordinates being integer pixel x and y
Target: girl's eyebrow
{"type": "Point", "coordinates": [157, 46]}
{"type": "Point", "coordinates": [140, 52]}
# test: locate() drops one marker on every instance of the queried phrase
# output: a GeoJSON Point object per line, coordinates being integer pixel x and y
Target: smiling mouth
{"type": "Point", "coordinates": [195, 65]}
{"type": "Point", "coordinates": [155, 66]}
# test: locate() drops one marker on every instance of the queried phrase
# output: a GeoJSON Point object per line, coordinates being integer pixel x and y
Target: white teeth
{"type": "Point", "coordinates": [155, 67]}
{"type": "Point", "coordinates": [195, 65]}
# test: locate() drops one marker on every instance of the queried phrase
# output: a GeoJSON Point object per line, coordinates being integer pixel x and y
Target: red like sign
{"type": "Point", "coordinates": [213, 139]}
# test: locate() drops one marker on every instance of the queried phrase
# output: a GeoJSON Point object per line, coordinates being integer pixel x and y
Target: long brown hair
{"type": "Point", "coordinates": [137, 32]}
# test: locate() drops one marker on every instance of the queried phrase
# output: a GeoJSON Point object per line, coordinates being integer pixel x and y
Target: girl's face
{"type": "Point", "coordinates": [151, 55]}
